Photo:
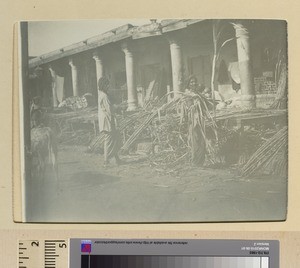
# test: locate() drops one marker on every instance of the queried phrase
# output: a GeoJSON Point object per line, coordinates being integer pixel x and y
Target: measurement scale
{"type": "Point", "coordinates": [156, 253]}
{"type": "Point", "coordinates": [43, 253]}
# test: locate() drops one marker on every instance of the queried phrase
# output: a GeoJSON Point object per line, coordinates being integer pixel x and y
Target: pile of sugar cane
{"type": "Point", "coordinates": [272, 153]}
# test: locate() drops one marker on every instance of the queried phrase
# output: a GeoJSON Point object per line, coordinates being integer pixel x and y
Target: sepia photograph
{"type": "Point", "coordinates": [153, 120]}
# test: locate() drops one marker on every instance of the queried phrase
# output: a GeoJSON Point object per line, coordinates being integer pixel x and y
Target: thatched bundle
{"type": "Point", "coordinates": [176, 129]}
{"type": "Point", "coordinates": [185, 131]}
{"type": "Point", "coordinates": [270, 157]}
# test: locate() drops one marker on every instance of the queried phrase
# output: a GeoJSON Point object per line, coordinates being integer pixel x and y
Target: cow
{"type": "Point", "coordinates": [43, 147]}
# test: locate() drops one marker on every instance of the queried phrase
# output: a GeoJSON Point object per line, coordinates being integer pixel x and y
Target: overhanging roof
{"type": "Point", "coordinates": [113, 36]}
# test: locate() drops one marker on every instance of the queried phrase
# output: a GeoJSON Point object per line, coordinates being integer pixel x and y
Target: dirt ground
{"type": "Point", "coordinates": [135, 192]}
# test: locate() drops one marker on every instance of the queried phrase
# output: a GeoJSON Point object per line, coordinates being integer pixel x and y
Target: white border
{"type": "Point", "coordinates": [21, 121]}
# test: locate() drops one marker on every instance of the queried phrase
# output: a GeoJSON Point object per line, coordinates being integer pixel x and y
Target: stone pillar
{"type": "Point", "coordinates": [130, 78]}
{"type": "Point", "coordinates": [99, 66]}
{"type": "Point", "coordinates": [74, 77]}
{"type": "Point", "coordinates": [244, 59]}
{"type": "Point", "coordinates": [177, 64]}
{"type": "Point", "coordinates": [53, 86]}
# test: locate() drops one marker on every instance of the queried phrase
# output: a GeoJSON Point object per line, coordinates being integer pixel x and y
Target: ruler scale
{"type": "Point", "coordinates": [156, 253]}
{"type": "Point", "coordinates": [43, 253]}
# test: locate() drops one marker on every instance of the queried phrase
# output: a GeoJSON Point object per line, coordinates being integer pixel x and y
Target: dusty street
{"type": "Point", "coordinates": [136, 192]}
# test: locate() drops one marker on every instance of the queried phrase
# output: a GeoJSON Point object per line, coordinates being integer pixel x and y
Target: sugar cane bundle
{"type": "Point", "coordinates": [138, 131]}
{"type": "Point", "coordinates": [172, 126]}
{"type": "Point", "coordinates": [184, 106]}
{"type": "Point", "coordinates": [170, 139]}
{"type": "Point", "coordinates": [272, 152]}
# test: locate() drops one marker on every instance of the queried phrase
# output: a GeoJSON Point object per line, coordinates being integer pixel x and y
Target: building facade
{"type": "Point", "coordinates": [155, 59]}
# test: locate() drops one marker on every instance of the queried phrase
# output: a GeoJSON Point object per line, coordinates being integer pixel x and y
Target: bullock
{"type": "Point", "coordinates": [43, 147]}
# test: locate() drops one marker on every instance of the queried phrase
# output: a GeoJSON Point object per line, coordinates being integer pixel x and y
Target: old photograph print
{"type": "Point", "coordinates": [154, 120]}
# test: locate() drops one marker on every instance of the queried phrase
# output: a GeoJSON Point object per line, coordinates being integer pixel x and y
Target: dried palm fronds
{"type": "Point", "coordinates": [145, 118]}
{"type": "Point", "coordinates": [271, 153]}
{"type": "Point", "coordinates": [138, 131]}
{"type": "Point", "coordinates": [96, 142]}
{"type": "Point", "coordinates": [170, 140]}
{"type": "Point", "coordinates": [177, 128]}
{"type": "Point", "coordinates": [124, 125]}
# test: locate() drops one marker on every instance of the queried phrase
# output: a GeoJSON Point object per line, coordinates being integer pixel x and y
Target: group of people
{"type": "Point", "coordinates": [107, 124]}
{"type": "Point", "coordinates": [107, 121]}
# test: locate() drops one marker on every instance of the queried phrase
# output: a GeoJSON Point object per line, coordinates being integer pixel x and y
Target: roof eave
{"type": "Point", "coordinates": [110, 37]}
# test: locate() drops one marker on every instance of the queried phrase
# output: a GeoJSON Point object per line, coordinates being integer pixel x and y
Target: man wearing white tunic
{"type": "Point", "coordinates": [107, 126]}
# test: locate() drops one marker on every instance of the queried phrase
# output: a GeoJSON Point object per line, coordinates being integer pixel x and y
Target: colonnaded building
{"type": "Point", "coordinates": [151, 60]}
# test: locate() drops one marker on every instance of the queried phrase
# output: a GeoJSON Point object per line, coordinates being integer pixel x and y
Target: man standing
{"type": "Point", "coordinates": [107, 124]}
